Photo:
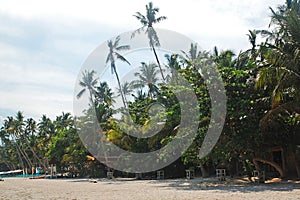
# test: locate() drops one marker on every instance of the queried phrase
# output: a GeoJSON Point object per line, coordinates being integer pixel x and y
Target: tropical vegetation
{"type": "Point", "coordinates": [262, 86]}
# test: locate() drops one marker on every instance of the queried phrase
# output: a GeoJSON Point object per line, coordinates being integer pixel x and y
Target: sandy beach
{"type": "Point", "coordinates": [179, 189]}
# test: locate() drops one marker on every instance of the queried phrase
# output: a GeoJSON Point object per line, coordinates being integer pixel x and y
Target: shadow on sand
{"type": "Point", "coordinates": [202, 184]}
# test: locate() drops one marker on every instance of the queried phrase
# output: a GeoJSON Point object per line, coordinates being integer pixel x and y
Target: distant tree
{"type": "Point", "coordinates": [147, 76]}
{"type": "Point", "coordinates": [112, 56]}
{"type": "Point", "coordinates": [88, 82]}
{"type": "Point", "coordinates": [147, 22]}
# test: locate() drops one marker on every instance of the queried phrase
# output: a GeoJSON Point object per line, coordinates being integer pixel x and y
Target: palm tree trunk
{"type": "Point", "coordinates": [20, 158]}
{"type": "Point", "coordinates": [157, 60]}
{"type": "Point", "coordinates": [203, 171]}
{"type": "Point", "coordinates": [121, 92]}
{"type": "Point", "coordinates": [10, 166]}
{"type": "Point", "coordinates": [34, 154]}
{"type": "Point", "coordinates": [273, 164]}
{"type": "Point", "coordinates": [26, 157]}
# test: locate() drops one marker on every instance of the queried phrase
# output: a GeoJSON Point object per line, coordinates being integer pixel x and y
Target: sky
{"type": "Point", "coordinates": [43, 44]}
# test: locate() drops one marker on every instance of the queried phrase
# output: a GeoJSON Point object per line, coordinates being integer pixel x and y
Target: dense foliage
{"type": "Point", "coordinates": [263, 97]}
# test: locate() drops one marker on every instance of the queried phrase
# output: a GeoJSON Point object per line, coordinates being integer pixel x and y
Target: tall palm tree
{"type": "Point", "coordinates": [45, 129]}
{"type": "Point", "coordinates": [21, 137]}
{"type": "Point", "coordinates": [280, 60]}
{"type": "Point", "coordinates": [112, 56]}
{"type": "Point", "coordinates": [31, 140]}
{"type": "Point", "coordinates": [147, 22]}
{"type": "Point", "coordinates": [88, 83]}
{"type": "Point", "coordinates": [7, 152]}
{"type": "Point", "coordinates": [147, 76]}
{"type": "Point", "coordinates": [279, 72]}
{"type": "Point", "coordinates": [15, 129]}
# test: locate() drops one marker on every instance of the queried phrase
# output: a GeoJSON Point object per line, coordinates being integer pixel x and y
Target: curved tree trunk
{"type": "Point", "coordinates": [10, 167]}
{"type": "Point", "coordinates": [120, 87]}
{"type": "Point", "coordinates": [273, 164]}
{"type": "Point", "coordinates": [157, 60]}
{"type": "Point", "coordinates": [34, 154]}
{"type": "Point", "coordinates": [20, 158]}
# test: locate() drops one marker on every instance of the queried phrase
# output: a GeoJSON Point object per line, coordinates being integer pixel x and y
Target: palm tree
{"type": "Point", "coordinates": [104, 94]}
{"type": "Point", "coordinates": [279, 66]}
{"type": "Point", "coordinates": [112, 56]}
{"type": "Point", "coordinates": [15, 130]}
{"type": "Point", "coordinates": [88, 83]}
{"type": "Point", "coordinates": [45, 129]}
{"type": "Point", "coordinates": [173, 65]}
{"type": "Point", "coordinates": [147, 22]}
{"type": "Point", "coordinates": [193, 52]}
{"type": "Point", "coordinates": [147, 76]}
{"type": "Point", "coordinates": [7, 152]}
{"type": "Point", "coordinates": [194, 59]}
{"type": "Point", "coordinates": [62, 121]}
{"type": "Point", "coordinates": [31, 140]}
{"type": "Point", "coordinates": [278, 61]}
{"type": "Point", "coordinates": [127, 89]}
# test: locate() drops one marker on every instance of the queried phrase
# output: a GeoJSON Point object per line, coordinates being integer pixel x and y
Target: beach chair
{"type": "Point", "coordinates": [221, 174]}
{"type": "Point", "coordinates": [190, 173]}
{"type": "Point", "coordinates": [160, 174]}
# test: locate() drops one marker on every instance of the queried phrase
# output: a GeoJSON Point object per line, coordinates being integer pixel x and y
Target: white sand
{"type": "Point", "coordinates": [24, 188]}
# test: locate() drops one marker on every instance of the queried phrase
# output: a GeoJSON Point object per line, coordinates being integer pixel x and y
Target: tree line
{"type": "Point", "coordinates": [263, 97]}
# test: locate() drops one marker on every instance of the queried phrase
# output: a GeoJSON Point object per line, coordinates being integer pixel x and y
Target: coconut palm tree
{"type": "Point", "coordinates": [15, 130]}
{"type": "Point", "coordinates": [112, 56]}
{"type": "Point", "coordinates": [45, 129]}
{"type": "Point", "coordinates": [147, 22]}
{"type": "Point", "coordinates": [104, 94]}
{"type": "Point", "coordinates": [280, 60]}
{"type": "Point", "coordinates": [192, 54]}
{"type": "Point", "coordinates": [88, 83]}
{"type": "Point", "coordinates": [173, 65]}
{"type": "Point", "coordinates": [7, 152]}
{"type": "Point", "coordinates": [194, 59]}
{"type": "Point", "coordinates": [147, 76]}
{"type": "Point", "coordinates": [127, 89]}
{"type": "Point", "coordinates": [62, 121]}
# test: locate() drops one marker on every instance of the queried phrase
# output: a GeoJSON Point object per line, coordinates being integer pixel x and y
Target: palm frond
{"type": "Point", "coordinates": [80, 93]}
{"type": "Point", "coordinates": [137, 31]}
{"type": "Point", "coordinates": [122, 58]}
{"type": "Point", "coordinates": [123, 47]}
{"type": "Point", "coordinates": [159, 19]}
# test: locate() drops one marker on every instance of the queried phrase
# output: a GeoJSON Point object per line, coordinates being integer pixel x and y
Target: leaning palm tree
{"type": "Point", "coordinates": [31, 140]}
{"type": "Point", "coordinates": [88, 83]}
{"type": "Point", "coordinates": [147, 22]}
{"type": "Point", "coordinates": [112, 56]}
{"type": "Point", "coordinates": [147, 76]}
{"type": "Point", "coordinates": [14, 128]}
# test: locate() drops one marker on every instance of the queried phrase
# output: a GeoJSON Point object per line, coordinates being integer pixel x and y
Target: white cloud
{"type": "Point", "coordinates": [43, 43]}
{"type": "Point", "coordinates": [46, 90]}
